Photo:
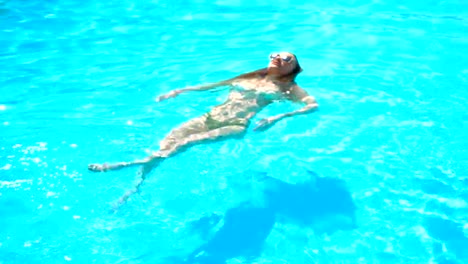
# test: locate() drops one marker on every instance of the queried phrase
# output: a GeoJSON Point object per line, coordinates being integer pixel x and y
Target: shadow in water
{"type": "Point", "coordinates": [449, 233]}
{"type": "Point", "coordinates": [242, 234]}
{"type": "Point", "coordinates": [245, 228]}
{"type": "Point", "coordinates": [308, 203]}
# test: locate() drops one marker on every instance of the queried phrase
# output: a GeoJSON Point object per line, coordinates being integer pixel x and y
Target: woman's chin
{"type": "Point", "coordinates": [273, 70]}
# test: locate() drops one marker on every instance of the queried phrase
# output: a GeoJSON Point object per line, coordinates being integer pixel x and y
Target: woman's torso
{"type": "Point", "coordinates": [248, 97]}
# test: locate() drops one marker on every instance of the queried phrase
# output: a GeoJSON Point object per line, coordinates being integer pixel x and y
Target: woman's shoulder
{"type": "Point", "coordinates": [253, 75]}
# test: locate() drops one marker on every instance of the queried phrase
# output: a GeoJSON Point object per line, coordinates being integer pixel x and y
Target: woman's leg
{"type": "Point", "coordinates": [178, 145]}
{"type": "Point", "coordinates": [116, 166]}
{"type": "Point", "coordinates": [151, 163]}
{"type": "Point", "coordinates": [192, 132]}
{"type": "Point", "coordinates": [193, 126]}
{"type": "Point", "coordinates": [212, 135]}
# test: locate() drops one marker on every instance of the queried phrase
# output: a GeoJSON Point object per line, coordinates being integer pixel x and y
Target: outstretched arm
{"type": "Point", "coordinates": [296, 94]}
{"type": "Point", "coordinates": [204, 87]}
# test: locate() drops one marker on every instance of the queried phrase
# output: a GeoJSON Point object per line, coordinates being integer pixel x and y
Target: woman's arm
{"type": "Point", "coordinates": [296, 94]}
{"type": "Point", "coordinates": [250, 75]}
{"type": "Point", "coordinates": [204, 87]}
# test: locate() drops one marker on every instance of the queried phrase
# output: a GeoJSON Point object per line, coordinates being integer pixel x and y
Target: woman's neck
{"type": "Point", "coordinates": [280, 78]}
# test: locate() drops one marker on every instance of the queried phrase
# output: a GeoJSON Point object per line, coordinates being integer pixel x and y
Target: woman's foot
{"type": "Point", "coordinates": [98, 167]}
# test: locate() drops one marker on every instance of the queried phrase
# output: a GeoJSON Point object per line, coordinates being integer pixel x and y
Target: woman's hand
{"type": "Point", "coordinates": [170, 94]}
{"type": "Point", "coordinates": [265, 123]}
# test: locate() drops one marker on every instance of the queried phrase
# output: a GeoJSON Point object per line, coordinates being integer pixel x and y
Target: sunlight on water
{"type": "Point", "coordinates": [377, 175]}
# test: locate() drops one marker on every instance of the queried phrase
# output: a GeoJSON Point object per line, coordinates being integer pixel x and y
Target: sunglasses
{"type": "Point", "coordinates": [285, 58]}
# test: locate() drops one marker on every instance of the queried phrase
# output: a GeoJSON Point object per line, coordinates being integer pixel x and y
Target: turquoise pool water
{"type": "Point", "coordinates": [378, 175]}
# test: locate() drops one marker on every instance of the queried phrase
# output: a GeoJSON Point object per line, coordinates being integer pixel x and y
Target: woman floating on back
{"type": "Point", "coordinates": [249, 94]}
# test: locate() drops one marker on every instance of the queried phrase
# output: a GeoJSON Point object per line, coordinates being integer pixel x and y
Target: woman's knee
{"type": "Point", "coordinates": [167, 142]}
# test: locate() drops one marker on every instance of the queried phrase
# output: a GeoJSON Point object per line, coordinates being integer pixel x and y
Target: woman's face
{"type": "Point", "coordinates": [281, 63]}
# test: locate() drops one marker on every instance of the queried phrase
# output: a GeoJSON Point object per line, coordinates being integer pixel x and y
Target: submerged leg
{"type": "Point", "coordinates": [151, 163]}
{"type": "Point", "coordinates": [173, 149]}
{"type": "Point", "coordinates": [190, 133]}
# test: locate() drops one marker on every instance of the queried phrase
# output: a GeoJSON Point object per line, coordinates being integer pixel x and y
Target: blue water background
{"type": "Point", "coordinates": [378, 175]}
